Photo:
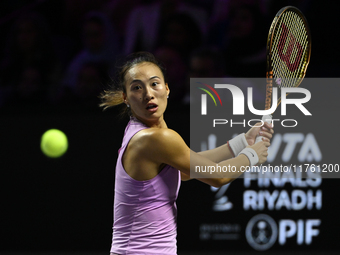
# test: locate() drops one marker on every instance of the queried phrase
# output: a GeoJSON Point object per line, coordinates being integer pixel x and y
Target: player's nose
{"type": "Point", "coordinates": [148, 94]}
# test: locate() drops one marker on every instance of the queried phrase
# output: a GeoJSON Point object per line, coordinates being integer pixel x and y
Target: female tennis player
{"type": "Point", "coordinates": [153, 160]}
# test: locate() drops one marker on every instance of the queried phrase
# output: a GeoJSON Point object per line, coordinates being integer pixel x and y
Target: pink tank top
{"type": "Point", "coordinates": [144, 211]}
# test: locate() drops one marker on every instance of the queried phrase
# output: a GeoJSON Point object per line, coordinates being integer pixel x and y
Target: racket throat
{"type": "Point", "coordinates": [269, 90]}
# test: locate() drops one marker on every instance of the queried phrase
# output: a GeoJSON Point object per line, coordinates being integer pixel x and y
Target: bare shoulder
{"type": "Point", "coordinates": [157, 136]}
{"type": "Point", "coordinates": [160, 142]}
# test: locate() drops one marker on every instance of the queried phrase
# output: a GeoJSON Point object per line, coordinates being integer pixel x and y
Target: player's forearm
{"type": "Point", "coordinates": [218, 174]}
{"type": "Point", "coordinates": [228, 150]}
{"type": "Point", "coordinates": [218, 154]}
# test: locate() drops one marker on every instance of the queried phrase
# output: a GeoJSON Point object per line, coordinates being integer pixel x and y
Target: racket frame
{"type": "Point", "coordinates": [269, 72]}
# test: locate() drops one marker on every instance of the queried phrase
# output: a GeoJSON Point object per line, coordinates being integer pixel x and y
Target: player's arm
{"type": "Point", "coordinates": [218, 154]}
{"type": "Point", "coordinates": [185, 177]}
{"type": "Point", "coordinates": [225, 151]}
{"type": "Point", "coordinates": [166, 146]}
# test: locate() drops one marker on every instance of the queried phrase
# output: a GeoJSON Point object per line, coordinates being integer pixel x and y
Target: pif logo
{"type": "Point", "coordinates": [238, 100]}
{"type": "Point", "coordinates": [262, 231]}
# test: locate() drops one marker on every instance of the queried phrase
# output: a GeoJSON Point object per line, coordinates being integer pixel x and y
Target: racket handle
{"type": "Point", "coordinates": [265, 118]}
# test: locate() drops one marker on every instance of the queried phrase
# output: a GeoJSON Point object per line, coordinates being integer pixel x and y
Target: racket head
{"type": "Point", "coordinates": [288, 47]}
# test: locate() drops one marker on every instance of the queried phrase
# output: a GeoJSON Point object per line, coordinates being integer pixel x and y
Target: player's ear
{"type": "Point", "coordinates": [167, 89]}
{"type": "Point", "coordinates": [125, 99]}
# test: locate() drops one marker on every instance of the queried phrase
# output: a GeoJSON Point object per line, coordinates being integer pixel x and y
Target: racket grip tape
{"type": "Point", "coordinates": [265, 118]}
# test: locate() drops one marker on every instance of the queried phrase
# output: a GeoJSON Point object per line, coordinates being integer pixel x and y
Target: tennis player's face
{"type": "Point", "coordinates": [146, 93]}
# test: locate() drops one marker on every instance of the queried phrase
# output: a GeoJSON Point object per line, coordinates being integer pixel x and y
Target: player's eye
{"type": "Point", "coordinates": [137, 87]}
{"type": "Point", "coordinates": [154, 83]}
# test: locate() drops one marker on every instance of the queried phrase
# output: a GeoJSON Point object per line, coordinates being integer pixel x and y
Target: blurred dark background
{"type": "Point", "coordinates": [56, 56]}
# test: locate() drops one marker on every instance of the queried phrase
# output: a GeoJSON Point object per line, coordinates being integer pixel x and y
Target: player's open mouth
{"type": "Point", "coordinates": [152, 107]}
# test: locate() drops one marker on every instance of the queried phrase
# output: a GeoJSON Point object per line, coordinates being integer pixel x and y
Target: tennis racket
{"type": "Point", "coordinates": [288, 53]}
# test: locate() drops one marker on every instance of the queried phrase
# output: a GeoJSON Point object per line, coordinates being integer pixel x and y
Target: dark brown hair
{"type": "Point", "coordinates": [114, 95]}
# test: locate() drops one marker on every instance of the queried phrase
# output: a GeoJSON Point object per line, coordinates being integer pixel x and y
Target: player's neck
{"type": "Point", "coordinates": [154, 123]}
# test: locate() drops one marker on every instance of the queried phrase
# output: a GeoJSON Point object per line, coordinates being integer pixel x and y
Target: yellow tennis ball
{"type": "Point", "coordinates": [54, 143]}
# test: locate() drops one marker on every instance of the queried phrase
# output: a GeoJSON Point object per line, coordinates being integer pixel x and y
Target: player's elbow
{"type": "Point", "coordinates": [219, 182]}
{"type": "Point", "coordinates": [216, 185]}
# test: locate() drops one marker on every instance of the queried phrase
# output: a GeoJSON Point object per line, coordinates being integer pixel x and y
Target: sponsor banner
{"type": "Point", "coordinates": [282, 202]}
{"type": "Point", "coordinates": [221, 108]}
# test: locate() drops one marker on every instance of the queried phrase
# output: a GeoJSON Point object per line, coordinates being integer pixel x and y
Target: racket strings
{"type": "Point", "coordinates": [289, 51]}
{"type": "Point", "coordinates": [286, 54]}
{"type": "Point", "coordinates": [292, 58]}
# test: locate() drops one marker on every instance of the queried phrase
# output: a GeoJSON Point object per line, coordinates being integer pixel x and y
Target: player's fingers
{"type": "Point", "coordinates": [267, 144]}
{"type": "Point", "coordinates": [266, 134]}
{"type": "Point", "coordinates": [268, 127]}
{"type": "Point", "coordinates": [258, 124]}
{"type": "Point", "coordinates": [270, 130]}
{"type": "Point", "coordinates": [266, 139]}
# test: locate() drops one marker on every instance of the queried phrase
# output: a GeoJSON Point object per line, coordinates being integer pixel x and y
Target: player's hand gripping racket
{"type": "Point", "coordinates": [288, 53]}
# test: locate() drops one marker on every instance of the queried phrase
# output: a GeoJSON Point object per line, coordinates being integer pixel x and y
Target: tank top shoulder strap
{"type": "Point", "coordinates": [131, 129]}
